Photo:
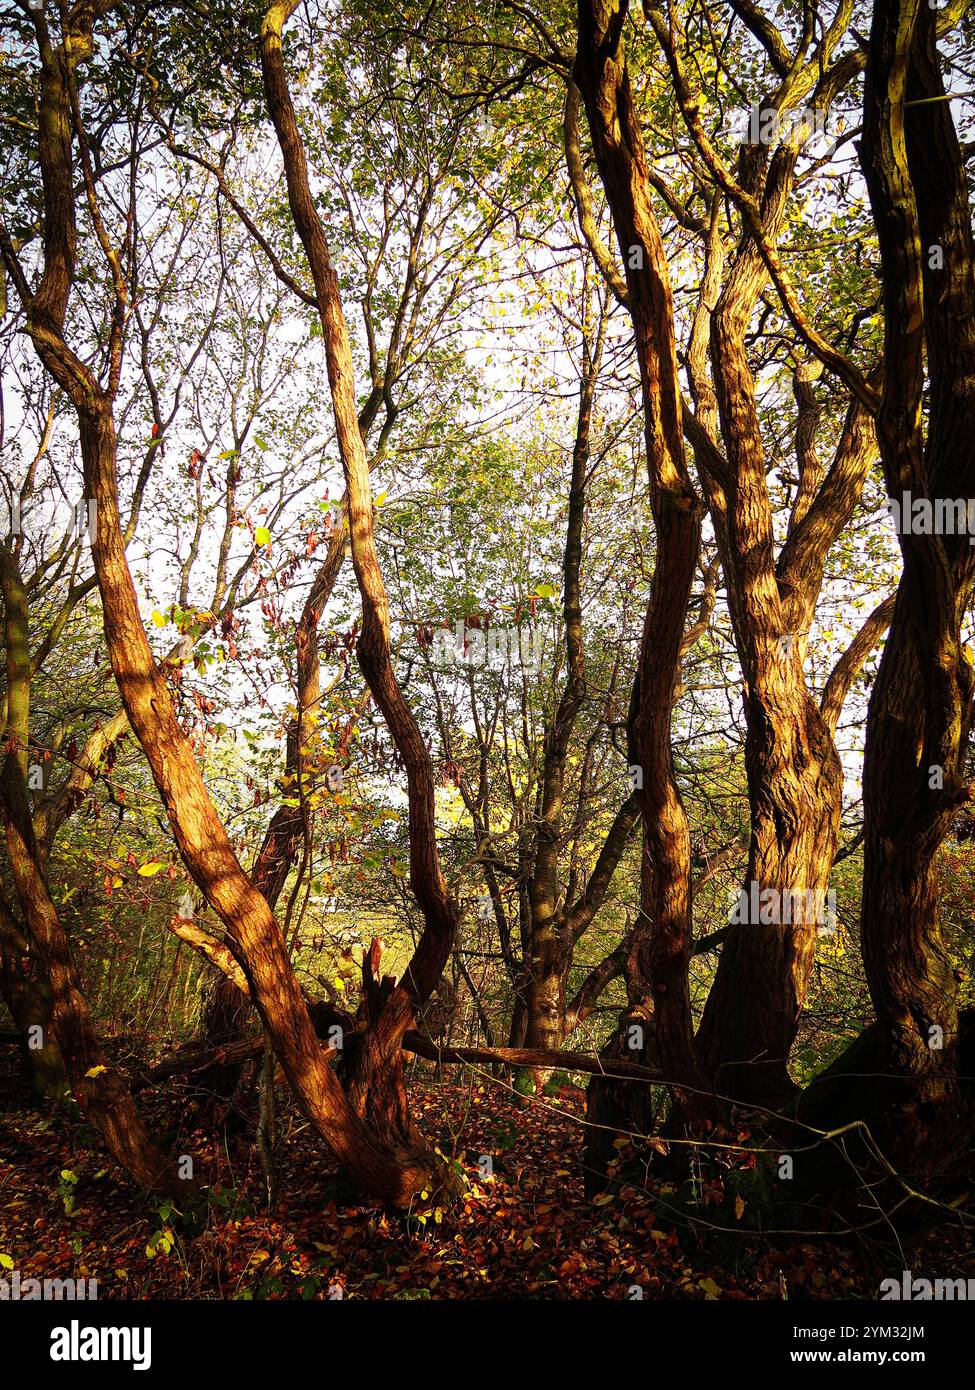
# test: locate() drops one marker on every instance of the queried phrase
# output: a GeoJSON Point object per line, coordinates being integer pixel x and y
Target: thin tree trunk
{"type": "Point", "coordinates": [665, 924]}
{"type": "Point", "coordinates": [375, 1080]}
{"type": "Point", "coordinates": [101, 1092]}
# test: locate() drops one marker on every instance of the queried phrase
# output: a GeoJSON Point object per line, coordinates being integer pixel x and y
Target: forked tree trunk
{"type": "Point", "coordinates": [200, 835]}
{"type": "Point", "coordinates": [793, 769]}
{"type": "Point", "coordinates": [794, 772]}
{"type": "Point", "coordinates": [207, 853]}
{"type": "Point", "coordinates": [375, 1076]}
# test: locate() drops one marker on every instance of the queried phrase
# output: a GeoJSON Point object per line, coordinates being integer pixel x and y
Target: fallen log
{"type": "Point", "coordinates": [190, 1061]}
{"type": "Point", "coordinates": [185, 1064]}
{"type": "Point", "coordinates": [531, 1057]}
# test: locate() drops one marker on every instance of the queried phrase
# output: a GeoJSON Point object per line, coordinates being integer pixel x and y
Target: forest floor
{"type": "Point", "coordinates": [527, 1232]}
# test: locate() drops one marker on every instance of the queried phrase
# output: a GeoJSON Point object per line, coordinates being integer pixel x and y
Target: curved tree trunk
{"type": "Point", "coordinates": [374, 1076]}
{"type": "Point", "coordinates": [200, 835]}
{"type": "Point", "coordinates": [665, 922]}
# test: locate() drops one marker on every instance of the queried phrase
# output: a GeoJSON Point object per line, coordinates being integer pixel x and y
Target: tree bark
{"type": "Point", "coordinates": [375, 1078]}
{"type": "Point", "coordinates": [601, 74]}
{"type": "Point", "coordinates": [200, 836]}
{"type": "Point", "coordinates": [551, 936]}
{"type": "Point", "coordinates": [920, 712]}
{"type": "Point", "coordinates": [25, 994]}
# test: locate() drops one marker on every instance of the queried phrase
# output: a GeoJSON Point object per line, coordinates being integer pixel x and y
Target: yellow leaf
{"type": "Point", "coordinates": [157, 618]}
{"type": "Point", "coordinates": [262, 535]}
{"type": "Point", "coordinates": [147, 870]}
{"type": "Point", "coordinates": [95, 1071]}
{"type": "Point", "coordinates": [739, 1208]}
{"type": "Point", "coordinates": [710, 1288]}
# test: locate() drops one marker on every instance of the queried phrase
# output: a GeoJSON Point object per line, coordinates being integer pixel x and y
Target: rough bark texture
{"type": "Point", "coordinates": [794, 773]}
{"type": "Point", "coordinates": [920, 711]}
{"type": "Point", "coordinates": [665, 929]}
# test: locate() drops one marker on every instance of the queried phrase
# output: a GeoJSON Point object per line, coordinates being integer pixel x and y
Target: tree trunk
{"type": "Point", "coordinates": [200, 835]}
{"type": "Point", "coordinates": [920, 712]}
{"type": "Point", "coordinates": [665, 922]}
{"type": "Point", "coordinates": [68, 1027]}
{"type": "Point", "coordinates": [100, 1091]}
{"type": "Point", "coordinates": [28, 1000]}
{"type": "Point", "coordinates": [376, 1082]}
